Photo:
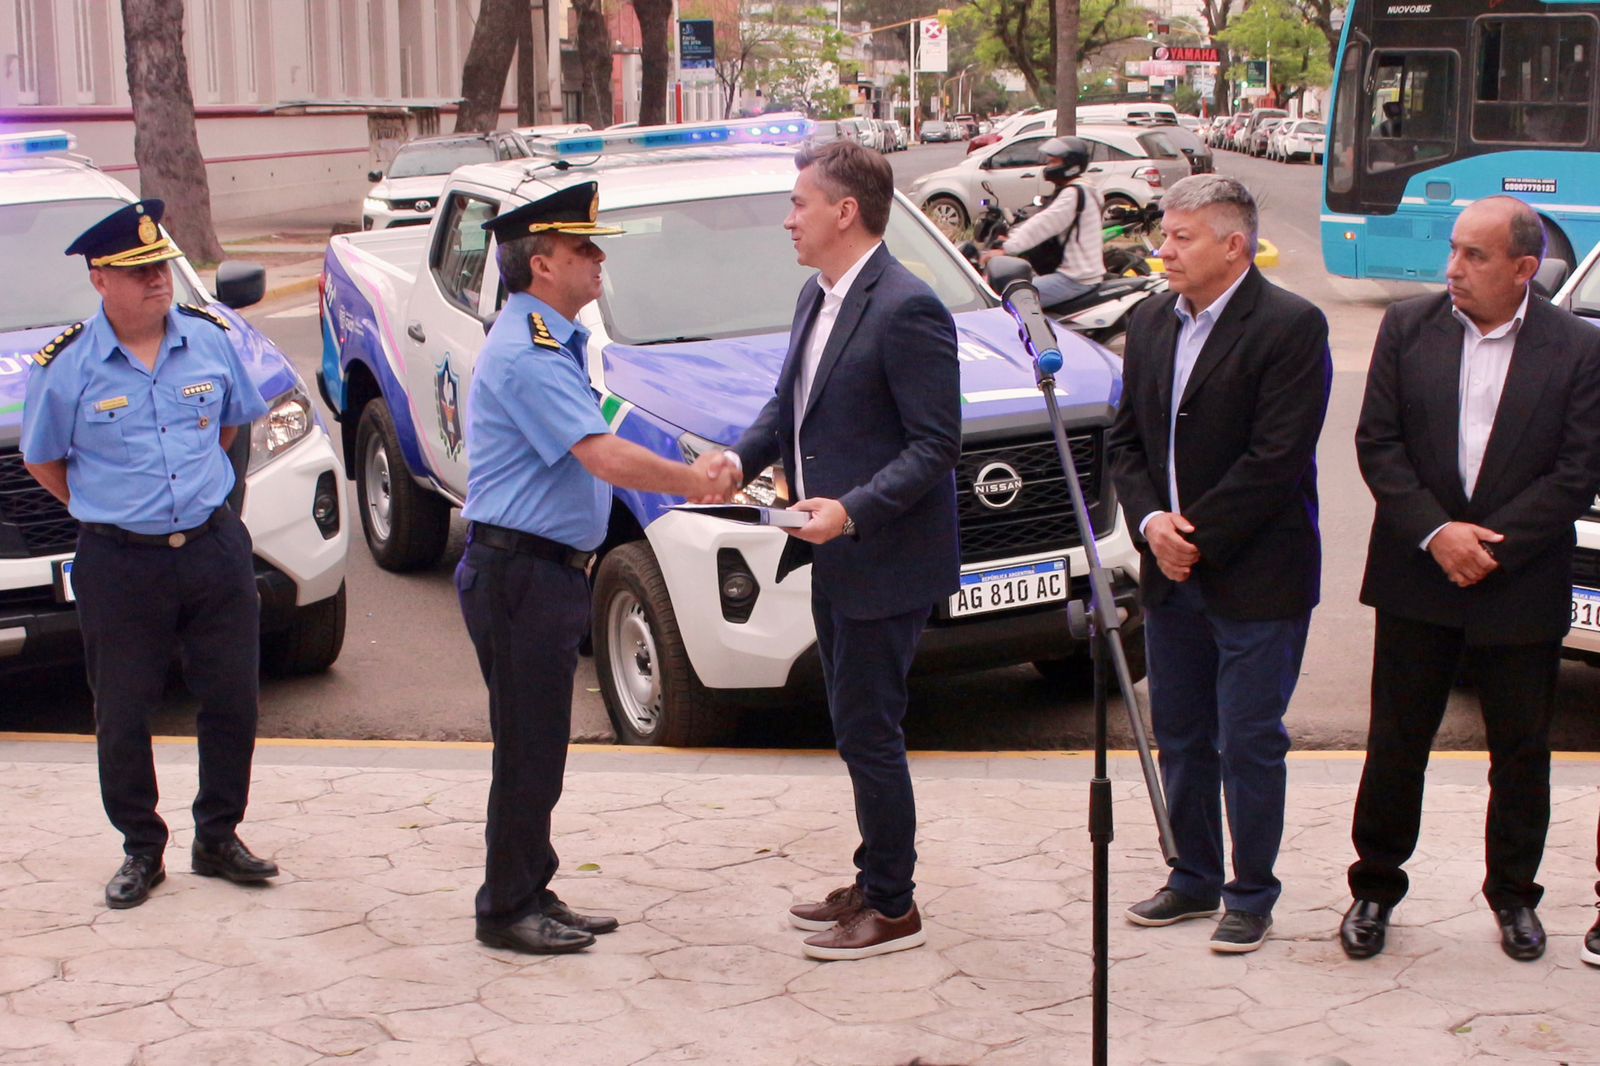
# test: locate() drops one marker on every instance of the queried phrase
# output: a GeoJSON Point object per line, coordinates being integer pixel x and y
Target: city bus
{"type": "Point", "coordinates": [1437, 103]}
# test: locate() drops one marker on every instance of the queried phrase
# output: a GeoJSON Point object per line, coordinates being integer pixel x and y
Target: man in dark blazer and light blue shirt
{"type": "Point", "coordinates": [866, 418]}
{"type": "Point", "coordinates": [1480, 440]}
{"type": "Point", "coordinates": [1213, 452]}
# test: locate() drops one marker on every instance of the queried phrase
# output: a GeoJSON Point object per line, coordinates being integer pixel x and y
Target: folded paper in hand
{"type": "Point", "coordinates": [749, 514]}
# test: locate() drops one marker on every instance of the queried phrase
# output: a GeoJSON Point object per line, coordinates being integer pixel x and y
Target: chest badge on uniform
{"type": "Point", "coordinates": [199, 388]}
{"type": "Point", "coordinates": [116, 403]}
{"type": "Point", "coordinates": [204, 421]}
{"type": "Point", "coordinates": [541, 332]}
{"type": "Point", "coordinates": [447, 400]}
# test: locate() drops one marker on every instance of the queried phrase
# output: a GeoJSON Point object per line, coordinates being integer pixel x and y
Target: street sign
{"type": "Point", "coordinates": [933, 49]}
{"type": "Point", "coordinates": [1255, 74]}
{"type": "Point", "coordinates": [1186, 54]}
{"type": "Point", "coordinates": [697, 49]}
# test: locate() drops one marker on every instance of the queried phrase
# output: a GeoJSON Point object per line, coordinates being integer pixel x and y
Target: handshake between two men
{"type": "Point", "coordinates": [724, 475]}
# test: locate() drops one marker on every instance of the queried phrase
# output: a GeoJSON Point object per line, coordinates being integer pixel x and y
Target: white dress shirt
{"type": "Point", "coordinates": [811, 358]}
{"type": "Point", "coordinates": [1193, 332]}
{"type": "Point", "coordinates": [1485, 361]}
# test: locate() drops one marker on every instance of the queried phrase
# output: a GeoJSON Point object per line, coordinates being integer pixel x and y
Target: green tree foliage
{"type": "Point", "coordinates": [796, 65]}
{"type": "Point", "coordinates": [1277, 30]}
{"type": "Point", "coordinates": [1020, 35]}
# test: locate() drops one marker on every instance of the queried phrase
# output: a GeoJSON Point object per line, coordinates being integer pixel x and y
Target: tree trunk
{"type": "Point", "coordinates": [483, 75]}
{"type": "Point", "coordinates": [165, 145]}
{"type": "Point", "coordinates": [527, 73]}
{"type": "Point", "coordinates": [1067, 16]}
{"type": "Point", "coordinates": [594, 65]}
{"type": "Point", "coordinates": [655, 20]}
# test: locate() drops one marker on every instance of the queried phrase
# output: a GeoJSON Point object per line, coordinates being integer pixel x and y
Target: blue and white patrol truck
{"type": "Point", "coordinates": [287, 489]}
{"type": "Point", "coordinates": [688, 337]}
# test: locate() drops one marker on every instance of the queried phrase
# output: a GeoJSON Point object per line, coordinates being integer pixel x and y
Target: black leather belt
{"type": "Point", "coordinates": [514, 540]}
{"type": "Point", "coordinates": [156, 540]}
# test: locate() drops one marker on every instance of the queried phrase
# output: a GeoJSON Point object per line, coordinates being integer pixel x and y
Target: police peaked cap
{"type": "Point", "coordinates": [572, 210]}
{"type": "Point", "coordinates": [128, 237]}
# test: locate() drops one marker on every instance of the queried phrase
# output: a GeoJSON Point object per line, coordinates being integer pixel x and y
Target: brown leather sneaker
{"type": "Point", "coordinates": [820, 917]}
{"type": "Point", "coordinates": [867, 933]}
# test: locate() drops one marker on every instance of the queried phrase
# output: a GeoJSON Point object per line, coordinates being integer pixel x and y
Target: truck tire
{"type": "Point", "coordinates": [649, 686]}
{"type": "Point", "coordinates": [1077, 672]}
{"type": "Point", "coordinates": [406, 525]}
{"type": "Point", "coordinates": [311, 643]}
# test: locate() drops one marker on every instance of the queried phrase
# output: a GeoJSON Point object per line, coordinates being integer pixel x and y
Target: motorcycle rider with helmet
{"type": "Point", "coordinates": [1069, 226]}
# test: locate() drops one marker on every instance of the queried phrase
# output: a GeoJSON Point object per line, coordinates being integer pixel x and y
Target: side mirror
{"type": "Point", "coordinates": [241, 284]}
{"type": "Point", "coordinates": [374, 176]}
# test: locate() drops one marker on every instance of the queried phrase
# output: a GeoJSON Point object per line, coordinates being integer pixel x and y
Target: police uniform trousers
{"type": "Point", "coordinates": [137, 604]}
{"type": "Point", "coordinates": [525, 616]}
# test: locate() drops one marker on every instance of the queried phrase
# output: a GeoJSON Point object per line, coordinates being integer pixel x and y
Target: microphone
{"type": "Point", "coordinates": [1014, 278]}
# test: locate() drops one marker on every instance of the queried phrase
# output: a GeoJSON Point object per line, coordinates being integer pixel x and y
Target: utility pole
{"type": "Point", "coordinates": [915, 33]}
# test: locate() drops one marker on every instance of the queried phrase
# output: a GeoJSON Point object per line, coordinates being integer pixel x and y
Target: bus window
{"type": "Point", "coordinates": [1413, 109]}
{"type": "Point", "coordinates": [1346, 113]}
{"type": "Point", "coordinates": [1534, 80]}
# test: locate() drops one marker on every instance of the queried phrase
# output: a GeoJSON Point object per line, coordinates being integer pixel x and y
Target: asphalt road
{"type": "Point", "coordinates": [407, 670]}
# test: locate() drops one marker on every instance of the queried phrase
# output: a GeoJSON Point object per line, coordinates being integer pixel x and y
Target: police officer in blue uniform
{"type": "Point", "coordinates": [538, 496]}
{"type": "Point", "coordinates": [127, 421]}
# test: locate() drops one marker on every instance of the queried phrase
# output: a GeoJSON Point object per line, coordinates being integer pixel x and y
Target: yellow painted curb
{"type": "Point", "coordinates": [297, 287]}
{"type": "Point", "coordinates": [1266, 257]}
{"type": "Point", "coordinates": [1341, 755]}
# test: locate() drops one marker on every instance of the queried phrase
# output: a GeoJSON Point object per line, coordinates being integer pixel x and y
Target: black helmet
{"type": "Point", "coordinates": [1069, 157]}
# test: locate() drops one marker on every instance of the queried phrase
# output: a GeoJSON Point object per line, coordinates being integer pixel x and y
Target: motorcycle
{"type": "Point", "coordinates": [1102, 313]}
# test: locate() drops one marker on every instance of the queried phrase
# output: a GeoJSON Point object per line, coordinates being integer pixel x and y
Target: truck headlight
{"type": "Point", "coordinates": [286, 423]}
{"type": "Point", "coordinates": [373, 204]}
{"type": "Point", "coordinates": [770, 488]}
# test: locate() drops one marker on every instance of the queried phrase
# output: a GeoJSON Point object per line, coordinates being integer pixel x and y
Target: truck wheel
{"type": "Point", "coordinates": [311, 643]}
{"type": "Point", "coordinates": [1078, 671]}
{"type": "Point", "coordinates": [648, 683]}
{"type": "Point", "coordinates": [405, 524]}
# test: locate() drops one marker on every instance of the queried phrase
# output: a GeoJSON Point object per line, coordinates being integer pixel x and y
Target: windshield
{"type": "Point", "coordinates": [54, 289]}
{"type": "Point", "coordinates": [726, 268]}
{"type": "Point", "coordinates": [439, 157]}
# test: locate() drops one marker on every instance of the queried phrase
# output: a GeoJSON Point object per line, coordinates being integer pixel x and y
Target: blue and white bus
{"type": "Point", "coordinates": [1439, 103]}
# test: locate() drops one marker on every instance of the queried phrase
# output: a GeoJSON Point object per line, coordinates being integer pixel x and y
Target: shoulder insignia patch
{"type": "Point", "coordinates": [43, 356]}
{"type": "Point", "coordinates": [206, 313]}
{"type": "Point", "coordinates": [541, 332]}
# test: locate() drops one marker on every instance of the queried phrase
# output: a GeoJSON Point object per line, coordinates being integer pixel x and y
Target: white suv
{"type": "Point", "coordinates": [1581, 296]}
{"type": "Point", "coordinates": [288, 478]}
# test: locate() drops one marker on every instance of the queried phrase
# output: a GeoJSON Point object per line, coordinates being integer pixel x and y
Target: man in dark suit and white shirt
{"type": "Point", "coordinates": [1214, 456]}
{"type": "Point", "coordinates": [867, 421]}
{"type": "Point", "coordinates": [1480, 440]}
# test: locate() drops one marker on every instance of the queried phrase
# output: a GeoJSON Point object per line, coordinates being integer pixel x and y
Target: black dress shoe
{"type": "Point", "coordinates": [1365, 926]}
{"type": "Point", "coordinates": [1521, 934]}
{"type": "Point", "coordinates": [588, 923]}
{"type": "Point", "coordinates": [1590, 952]}
{"type": "Point", "coordinates": [131, 884]}
{"type": "Point", "coordinates": [535, 935]}
{"type": "Point", "coordinates": [232, 860]}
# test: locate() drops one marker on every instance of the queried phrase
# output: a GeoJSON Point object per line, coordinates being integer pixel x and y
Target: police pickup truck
{"type": "Point", "coordinates": [688, 337]}
{"type": "Point", "coordinates": [287, 490]}
{"type": "Point", "coordinates": [1581, 296]}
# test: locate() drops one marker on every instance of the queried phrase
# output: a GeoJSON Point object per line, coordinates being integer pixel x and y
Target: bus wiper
{"type": "Point", "coordinates": [672, 340]}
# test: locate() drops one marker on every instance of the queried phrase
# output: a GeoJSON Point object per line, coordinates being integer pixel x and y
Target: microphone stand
{"type": "Point", "coordinates": [1100, 625]}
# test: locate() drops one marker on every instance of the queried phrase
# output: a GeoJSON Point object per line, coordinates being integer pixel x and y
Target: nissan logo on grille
{"type": "Point", "coordinates": [997, 486]}
{"type": "Point", "coordinates": [423, 205]}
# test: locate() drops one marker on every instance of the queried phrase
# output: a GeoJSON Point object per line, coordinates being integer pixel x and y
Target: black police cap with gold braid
{"type": "Point", "coordinates": [572, 210]}
{"type": "Point", "coordinates": [128, 237]}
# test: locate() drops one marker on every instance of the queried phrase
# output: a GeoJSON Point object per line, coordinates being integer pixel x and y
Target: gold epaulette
{"type": "Point", "coordinates": [43, 356]}
{"type": "Point", "coordinates": [541, 332]}
{"type": "Point", "coordinates": [206, 313]}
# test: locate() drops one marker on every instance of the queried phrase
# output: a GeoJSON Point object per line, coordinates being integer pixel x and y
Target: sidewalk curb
{"type": "Point", "coordinates": [297, 287]}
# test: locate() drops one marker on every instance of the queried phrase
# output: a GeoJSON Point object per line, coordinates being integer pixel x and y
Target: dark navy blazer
{"type": "Point", "coordinates": [881, 434]}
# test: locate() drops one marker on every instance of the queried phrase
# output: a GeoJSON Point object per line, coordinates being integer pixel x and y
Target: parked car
{"type": "Point", "coordinates": [886, 138]}
{"type": "Point", "coordinates": [406, 194]}
{"type": "Point", "coordinates": [1299, 138]}
{"type": "Point", "coordinates": [1192, 123]}
{"type": "Point", "coordinates": [898, 131]}
{"type": "Point", "coordinates": [1120, 167]}
{"type": "Point", "coordinates": [1216, 131]}
{"type": "Point", "coordinates": [287, 477]}
{"type": "Point", "coordinates": [1261, 135]}
{"type": "Point", "coordinates": [966, 124]}
{"type": "Point", "coordinates": [826, 131]}
{"type": "Point", "coordinates": [687, 607]}
{"type": "Point", "coordinates": [1244, 137]}
{"type": "Point", "coordinates": [866, 133]}
{"type": "Point", "coordinates": [1185, 141]}
{"type": "Point", "coordinates": [935, 130]}
{"type": "Point", "coordinates": [1140, 114]}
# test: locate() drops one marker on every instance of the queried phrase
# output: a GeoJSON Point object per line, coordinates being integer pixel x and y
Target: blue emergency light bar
{"type": "Point", "coordinates": [39, 142]}
{"type": "Point", "coordinates": [768, 129]}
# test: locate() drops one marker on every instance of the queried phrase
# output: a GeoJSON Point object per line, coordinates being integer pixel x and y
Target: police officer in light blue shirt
{"type": "Point", "coordinates": [127, 421]}
{"type": "Point", "coordinates": [538, 497]}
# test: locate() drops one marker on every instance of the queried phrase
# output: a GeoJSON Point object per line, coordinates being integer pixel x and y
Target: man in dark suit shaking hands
{"type": "Point", "coordinates": [867, 421]}
{"type": "Point", "coordinates": [1214, 455]}
{"type": "Point", "coordinates": [1480, 440]}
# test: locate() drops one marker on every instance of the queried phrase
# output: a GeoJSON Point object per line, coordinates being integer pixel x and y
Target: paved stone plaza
{"type": "Point", "coordinates": [363, 952]}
